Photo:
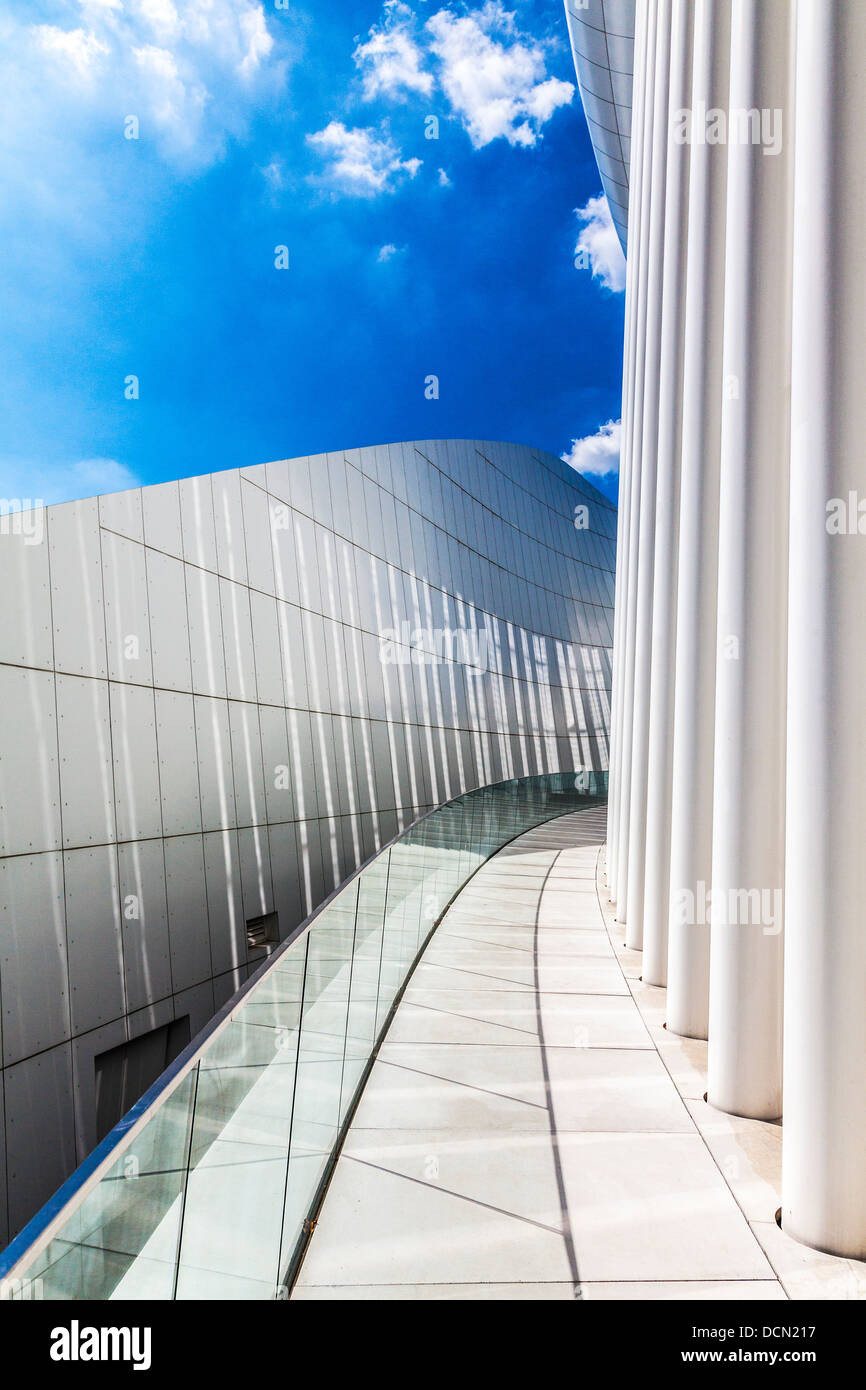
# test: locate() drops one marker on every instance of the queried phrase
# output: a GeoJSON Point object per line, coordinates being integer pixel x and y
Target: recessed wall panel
{"type": "Point", "coordinates": [144, 922]}
{"type": "Point", "coordinates": [34, 988]}
{"type": "Point", "coordinates": [186, 895]}
{"type": "Point", "coordinates": [136, 762]}
{"type": "Point", "coordinates": [178, 763]}
{"type": "Point", "coordinates": [93, 937]}
{"type": "Point", "coordinates": [86, 772]}
{"type": "Point", "coordinates": [29, 769]}
{"type": "Point", "coordinates": [26, 636]}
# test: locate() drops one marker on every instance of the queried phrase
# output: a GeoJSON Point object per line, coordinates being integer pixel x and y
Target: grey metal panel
{"type": "Point", "coordinates": [215, 771]}
{"type": "Point", "coordinates": [197, 1003]}
{"type": "Point", "coordinates": [169, 631]}
{"type": "Point", "coordinates": [326, 565]}
{"type": "Point", "coordinates": [197, 521]}
{"type": "Point", "coordinates": [86, 773]}
{"type": "Point", "coordinates": [205, 632]}
{"type": "Point", "coordinates": [229, 524]}
{"type": "Point", "coordinates": [25, 623]}
{"type": "Point", "coordinates": [255, 856]}
{"type": "Point", "coordinates": [121, 512]}
{"type": "Point", "coordinates": [266, 649]}
{"type": "Point", "coordinates": [40, 1130]}
{"type": "Point", "coordinates": [299, 483]}
{"type": "Point", "coordinates": [33, 979]}
{"type": "Point", "coordinates": [178, 763]}
{"type": "Point", "coordinates": [292, 655]}
{"type": "Point", "coordinates": [93, 936]}
{"type": "Point", "coordinates": [602, 40]}
{"type": "Point", "coordinates": [303, 769]}
{"type": "Point", "coordinates": [127, 618]}
{"type": "Point", "coordinates": [29, 773]}
{"type": "Point", "coordinates": [228, 941]}
{"type": "Point", "coordinates": [256, 518]}
{"type": "Point", "coordinates": [144, 922]}
{"type": "Point", "coordinates": [238, 641]}
{"type": "Point", "coordinates": [288, 902]}
{"type": "Point", "coordinates": [161, 511]}
{"type": "Point", "coordinates": [152, 1016]}
{"type": "Point", "coordinates": [285, 558]}
{"type": "Point", "coordinates": [247, 763]}
{"type": "Point", "coordinates": [277, 763]}
{"type": "Point", "coordinates": [312, 626]}
{"type": "Point", "coordinates": [85, 1050]}
{"type": "Point", "coordinates": [76, 588]}
{"type": "Point", "coordinates": [305, 551]}
{"type": "Point", "coordinates": [136, 767]}
{"type": "Point", "coordinates": [186, 893]}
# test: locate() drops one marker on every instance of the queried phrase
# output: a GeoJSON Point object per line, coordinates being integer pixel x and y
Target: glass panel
{"type": "Point", "coordinates": [211, 1198]}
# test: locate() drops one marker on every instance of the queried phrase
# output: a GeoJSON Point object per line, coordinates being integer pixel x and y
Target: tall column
{"type": "Point", "coordinates": [664, 620]}
{"type": "Point", "coordinates": [824, 1136]}
{"type": "Point", "coordinates": [695, 668]}
{"type": "Point", "coordinates": [745, 1021]}
{"type": "Point", "coordinates": [623, 514]}
{"type": "Point", "coordinates": [642, 250]}
{"type": "Point", "coordinates": [648, 455]}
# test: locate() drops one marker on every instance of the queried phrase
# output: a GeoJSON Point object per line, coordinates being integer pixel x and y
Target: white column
{"type": "Point", "coordinates": [745, 1022]}
{"type": "Point", "coordinates": [630, 596]}
{"type": "Point", "coordinates": [648, 452]}
{"type": "Point", "coordinates": [824, 1136]}
{"type": "Point", "coordinates": [695, 675]}
{"type": "Point", "coordinates": [629, 350]}
{"type": "Point", "coordinates": [663, 636]}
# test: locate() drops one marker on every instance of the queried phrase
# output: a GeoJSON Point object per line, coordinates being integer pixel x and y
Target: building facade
{"type": "Point", "coordinates": [737, 811]}
{"type": "Point", "coordinates": [221, 695]}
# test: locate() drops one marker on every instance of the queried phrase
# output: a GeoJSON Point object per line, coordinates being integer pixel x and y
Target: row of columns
{"type": "Point", "coordinates": [737, 807]}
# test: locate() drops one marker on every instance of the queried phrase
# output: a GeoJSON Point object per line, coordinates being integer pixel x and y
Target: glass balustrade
{"type": "Point", "coordinates": [208, 1187]}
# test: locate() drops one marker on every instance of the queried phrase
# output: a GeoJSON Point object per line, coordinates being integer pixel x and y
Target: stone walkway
{"type": "Point", "coordinates": [530, 1129]}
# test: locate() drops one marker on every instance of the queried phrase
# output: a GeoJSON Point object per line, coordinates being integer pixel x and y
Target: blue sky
{"type": "Point", "coordinates": [303, 125]}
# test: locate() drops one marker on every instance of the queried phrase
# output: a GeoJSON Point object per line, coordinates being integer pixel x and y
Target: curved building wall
{"type": "Point", "coordinates": [602, 34]}
{"type": "Point", "coordinates": [220, 695]}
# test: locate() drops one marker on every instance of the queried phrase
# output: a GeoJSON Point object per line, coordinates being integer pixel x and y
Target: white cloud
{"type": "Point", "coordinates": [597, 453]}
{"type": "Point", "coordinates": [77, 49]}
{"type": "Point", "coordinates": [193, 73]}
{"type": "Point", "coordinates": [360, 160]}
{"type": "Point", "coordinates": [389, 251]}
{"type": "Point", "coordinates": [444, 180]}
{"type": "Point", "coordinates": [494, 77]}
{"type": "Point", "coordinates": [598, 241]}
{"type": "Point", "coordinates": [29, 483]}
{"type": "Point", "coordinates": [391, 62]}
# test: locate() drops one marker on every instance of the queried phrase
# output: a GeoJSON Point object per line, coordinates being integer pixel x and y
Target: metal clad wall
{"type": "Point", "coordinates": [211, 710]}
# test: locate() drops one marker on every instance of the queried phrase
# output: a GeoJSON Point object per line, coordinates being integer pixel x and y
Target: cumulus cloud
{"type": "Point", "coordinates": [598, 242]}
{"type": "Point", "coordinates": [193, 73]}
{"type": "Point", "coordinates": [494, 77]}
{"type": "Point", "coordinates": [391, 61]}
{"type": "Point", "coordinates": [389, 251]}
{"type": "Point", "coordinates": [597, 453]}
{"type": "Point", "coordinates": [360, 160]}
{"type": "Point", "coordinates": [30, 483]}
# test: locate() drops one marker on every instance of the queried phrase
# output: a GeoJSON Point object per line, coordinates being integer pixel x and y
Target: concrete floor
{"type": "Point", "coordinates": [530, 1130]}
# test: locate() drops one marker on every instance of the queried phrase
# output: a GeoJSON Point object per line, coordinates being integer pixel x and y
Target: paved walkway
{"type": "Point", "coordinates": [530, 1130]}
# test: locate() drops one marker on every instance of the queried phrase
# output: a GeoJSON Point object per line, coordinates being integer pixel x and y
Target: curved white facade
{"type": "Point", "coordinates": [738, 781]}
{"type": "Point", "coordinates": [220, 695]}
